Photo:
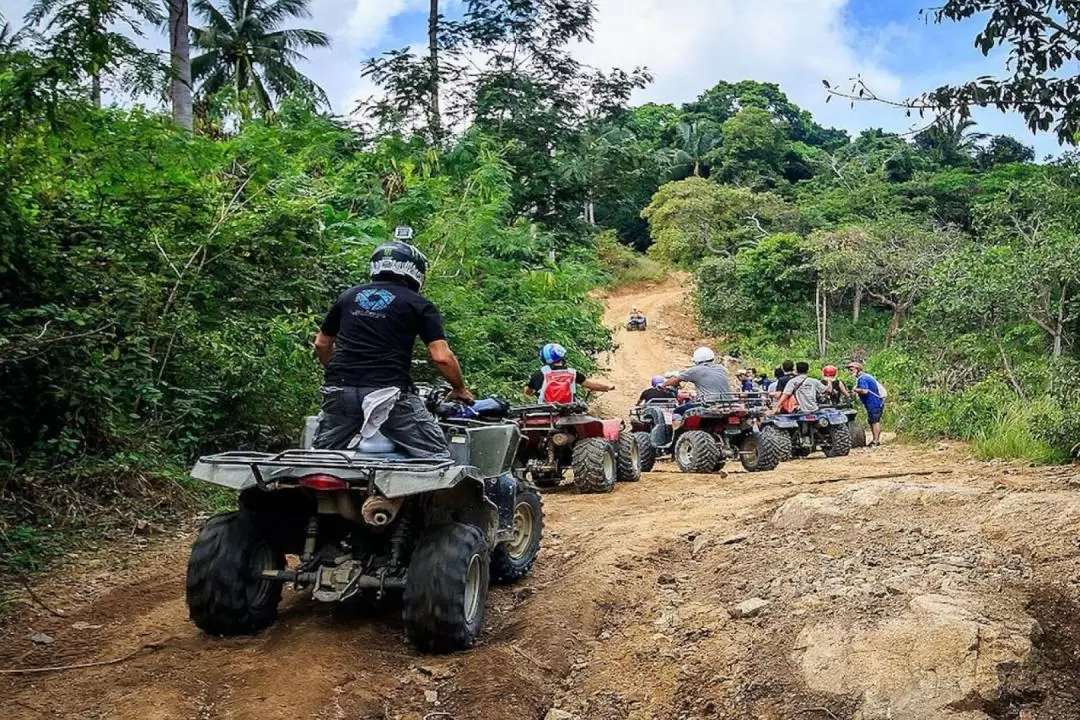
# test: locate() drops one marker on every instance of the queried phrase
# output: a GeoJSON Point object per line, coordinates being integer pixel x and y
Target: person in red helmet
{"type": "Point", "coordinates": [835, 389]}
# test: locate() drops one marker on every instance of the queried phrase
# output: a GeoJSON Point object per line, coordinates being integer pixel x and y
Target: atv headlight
{"type": "Point", "coordinates": [823, 422]}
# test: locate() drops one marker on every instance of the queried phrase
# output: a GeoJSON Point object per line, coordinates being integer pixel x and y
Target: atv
{"type": "Point", "coordinates": [637, 323]}
{"type": "Point", "coordinates": [825, 429]}
{"type": "Point", "coordinates": [857, 429]}
{"type": "Point", "coordinates": [651, 425]}
{"type": "Point", "coordinates": [739, 428]}
{"type": "Point", "coordinates": [365, 523]}
{"type": "Point", "coordinates": [560, 437]}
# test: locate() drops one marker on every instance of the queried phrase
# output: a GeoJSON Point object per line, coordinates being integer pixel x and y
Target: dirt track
{"type": "Point", "coordinates": [907, 583]}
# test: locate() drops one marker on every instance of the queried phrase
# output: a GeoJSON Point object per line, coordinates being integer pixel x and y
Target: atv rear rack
{"type": "Point", "coordinates": [394, 477]}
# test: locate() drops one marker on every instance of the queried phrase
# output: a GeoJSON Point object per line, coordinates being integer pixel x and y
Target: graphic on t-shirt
{"type": "Point", "coordinates": [374, 299]}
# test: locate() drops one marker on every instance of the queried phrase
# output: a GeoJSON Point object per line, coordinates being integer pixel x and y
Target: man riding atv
{"type": "Point", "coordinates": [557, 383]}
{"type": "Point", "coordinates": [637, 320]}
{"type": "Point", "coordinates": [656, 391]}
{"type": "Point", "coordinates": [366, 344]}
{"type": "Point", "coordinates": [710, 380]}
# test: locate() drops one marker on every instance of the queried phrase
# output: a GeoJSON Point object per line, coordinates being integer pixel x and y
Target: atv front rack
{"type": "Point", "coordinates": [393, 476]}
{"type": "Point", "coordinates": [549, 409]}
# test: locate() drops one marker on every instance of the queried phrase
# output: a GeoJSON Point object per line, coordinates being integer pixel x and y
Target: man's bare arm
{"type": "Point", "coordinates": [324, 348]}
{"type": "Point", "coordinates": [447, 364]}
{"type": "Point", "coordinates": [597, 386]}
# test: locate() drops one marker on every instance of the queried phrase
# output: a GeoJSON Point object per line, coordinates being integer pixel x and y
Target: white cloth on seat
{"type": "Point", "coordinates": [377, 407]}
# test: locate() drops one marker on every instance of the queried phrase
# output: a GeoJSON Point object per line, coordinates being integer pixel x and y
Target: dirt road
{"type": "Point", "coordinates": [908, 583]}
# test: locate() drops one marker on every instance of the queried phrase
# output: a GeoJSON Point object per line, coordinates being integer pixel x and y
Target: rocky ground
{"type": "Point", "coordinates": [907, 582]}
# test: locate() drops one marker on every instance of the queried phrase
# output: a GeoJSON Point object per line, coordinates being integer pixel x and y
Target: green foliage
{"type": "Point", "coordinates": [694, 218]}
{"type": "Point", "coordinates": [623, 264]}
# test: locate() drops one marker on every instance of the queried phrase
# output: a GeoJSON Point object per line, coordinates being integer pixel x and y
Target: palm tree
{"type": "Point", "coordinates": [244, 47]}
{"type": "Point", "coordinates": [950, 140]}
{"type": "Point", "coordinates": [180, 55]}
{"type": "Point", "coordinates": [696, 141]}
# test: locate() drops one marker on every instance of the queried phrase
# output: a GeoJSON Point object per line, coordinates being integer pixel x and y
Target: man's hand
{"type": "Point", "coordinates": [324, 348]}
{"type": "Point", "coordinates": [463, 395]}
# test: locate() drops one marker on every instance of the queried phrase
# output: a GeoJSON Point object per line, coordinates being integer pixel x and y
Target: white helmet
{"type": "Point", "coordinates": [670, 374]}
{"type": "Point", "coordinates": [703, 355]}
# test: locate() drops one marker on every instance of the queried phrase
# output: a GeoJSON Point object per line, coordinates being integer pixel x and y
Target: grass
{"type": "Point", "coordinates": [1011, 436]}
{"type": "Point", "coordinates": [625, 266]}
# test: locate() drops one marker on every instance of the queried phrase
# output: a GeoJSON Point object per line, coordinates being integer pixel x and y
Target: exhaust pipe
{"type": "Point", "coordinates": [379, 511]}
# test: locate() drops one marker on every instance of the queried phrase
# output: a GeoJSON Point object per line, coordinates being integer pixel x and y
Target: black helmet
{"type": "Point", "coordinates": [401, 260]}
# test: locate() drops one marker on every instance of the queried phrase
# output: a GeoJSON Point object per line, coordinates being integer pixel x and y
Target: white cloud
{"type": "Point", "coordinates": [692, 44]}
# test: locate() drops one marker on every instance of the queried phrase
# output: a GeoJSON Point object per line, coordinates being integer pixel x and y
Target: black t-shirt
{"type": "Point", "coordinates": [536, 380]}
{"type": "Point", "coordinates": [655, 393]}
{"type": "Point", "coordinates": [782, 381]}
{"type": "Point", "coordinates": [376, 326]}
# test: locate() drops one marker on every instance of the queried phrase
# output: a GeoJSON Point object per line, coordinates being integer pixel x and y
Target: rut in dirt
{"type": "Point", "coordinates": [906, 582]}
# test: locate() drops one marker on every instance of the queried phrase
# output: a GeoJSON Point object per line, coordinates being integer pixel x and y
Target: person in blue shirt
{"type": "Point", "coordinates": [873, 399]}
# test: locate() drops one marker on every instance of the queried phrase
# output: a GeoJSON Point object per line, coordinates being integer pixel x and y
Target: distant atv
{"type": "Point", "coordinates": [740, 428]}
{"type": "Point", "coordinates": [368, 522]}
{"type": "Point", "coordinates": [825, 429]}
{"type": "Point", "coordinates": [561, 437]}
{"type": "Point", "coordinates": [645, 422]}
{"type": "Point", "coordinates": [637, 323]}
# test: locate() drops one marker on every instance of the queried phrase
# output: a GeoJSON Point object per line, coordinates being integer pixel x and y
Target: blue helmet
{"type": "Point", "coordinates": [552, 353]}
{"type": "Point", "coordinates": [657, 380]}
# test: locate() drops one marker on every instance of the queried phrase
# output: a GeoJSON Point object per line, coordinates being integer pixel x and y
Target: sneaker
{"type": "Point", "coordinates": [873, 444]}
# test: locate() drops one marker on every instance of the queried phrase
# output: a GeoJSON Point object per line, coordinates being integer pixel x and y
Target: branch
{"type": "Point", "coordinates": [160, 644]}
{"type": "Point", "coordinates": [757, 223]}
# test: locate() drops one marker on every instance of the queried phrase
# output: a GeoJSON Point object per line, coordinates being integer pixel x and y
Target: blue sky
{"type": "Point", "coordinates": [691, 44]}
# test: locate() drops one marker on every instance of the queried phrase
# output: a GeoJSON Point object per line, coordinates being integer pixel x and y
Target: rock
{"type": "Point", "coordinates": [556, 714]}
{"type": "Point", "coordinates": [734, 539]}
{"type": "Point", "coordinates": [431, 696]}
{"type": "Point", "coordinates": [568, 555]}
{"type": "Point", "coordinates": [84, 626]}
{"type": "Point", "coordinates": [961, 641]}
{"type": "Point", "coordinates": [803, 510]}
{"type": "Point", "coordinates": [41, 639]}
{"type": "Point", "coordinates": [606, 635]}
{"type": "Point", "coordinates": [665, 579]}
{"type": "Point", "coordinates": [700, 543]}
{"type": "Point", "coordinates": [749, 608]}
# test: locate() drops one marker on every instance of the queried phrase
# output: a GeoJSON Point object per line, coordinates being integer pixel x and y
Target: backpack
{"type": "Point", "coordinates": [882, 392]}
{"type": "Point", "coordinates": [789, 403]}
{"type": "Point", "coordinates": [560, 386]}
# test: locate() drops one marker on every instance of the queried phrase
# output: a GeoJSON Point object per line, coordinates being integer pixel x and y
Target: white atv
{"type": "Point", "coordinates": [368, 522]}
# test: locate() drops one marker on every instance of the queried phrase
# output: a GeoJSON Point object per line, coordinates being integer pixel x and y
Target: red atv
{"type": "Point", "coordinates": [561, 437]}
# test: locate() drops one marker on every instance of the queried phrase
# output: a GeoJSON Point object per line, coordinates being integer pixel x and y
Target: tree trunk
{"type": "Point", "coordinates": [180, 52]}
{"type": "Point", "coordinates": [894, 325]}
{"type": "Point", "coordinates": [1059, 327]}
{"type": "Point", "coordinates": [856, 305]}
{"type": "Point", "coordinates": [434, 112]}
{"type": "Point", "coordinates": [95, 89]}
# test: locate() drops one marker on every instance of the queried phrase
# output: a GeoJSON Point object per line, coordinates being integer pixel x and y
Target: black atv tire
{"type": "Point", "coordinates": [595, 465]}
{"type": "Point", "coordinates": [629, 469]}
{"type": "Point", "coordinates": [787, 445]}
{"type": "Point", "coordinates": [512, 560]}
{"type": "Point", "coordinates": [697, 452]}
{"type": "Point", "coordinates": [223, 596]}
{"type": "Point", "coordinates": [766, 447]}
{"type": "Point", "coordinates": [646, 451]}
{"type": "Point", "coordinates": [446, 588]}
{"type": "Point", "coordinates": [839, 441]}
{"type": "Point", "coordinates": [858, 434]}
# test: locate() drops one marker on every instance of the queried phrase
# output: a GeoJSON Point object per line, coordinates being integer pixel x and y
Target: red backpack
{"type": "Point", "coordinates": [559, 386]}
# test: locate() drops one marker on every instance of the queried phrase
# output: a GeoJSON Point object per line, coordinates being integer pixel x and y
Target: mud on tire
{"type": "Point", "coordinates": [765, 446]}
{"type": "Point", "coordinates": [512, 560]}
{"type": "Point", "coordinates": [446, 588]}
{"type": "Point", "coordinates": [223, 596]}
{"type": "Point", "coordinates": [629, 466]}
{"type": "Point", "coordinates": [646, 451]}
{"type": "Point", "coordinates": [858, 434]}
{"type": "Point", "coordinates": [595, 465]}
{"type": "Point", "coordinates": [839, 441]}
{"type": "Point", "coordinates": [697, 452]}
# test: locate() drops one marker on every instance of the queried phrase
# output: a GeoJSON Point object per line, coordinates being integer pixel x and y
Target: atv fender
{"type": "Point", "coordinates": [784, 422]}
{"type": "Point", "coordinates": [835, 417]}
{"type": "Point", "coordinates": [501, 491]}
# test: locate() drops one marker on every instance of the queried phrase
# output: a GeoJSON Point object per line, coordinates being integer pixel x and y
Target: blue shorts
{"type": "Point", "coordinates": [874, 414]}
